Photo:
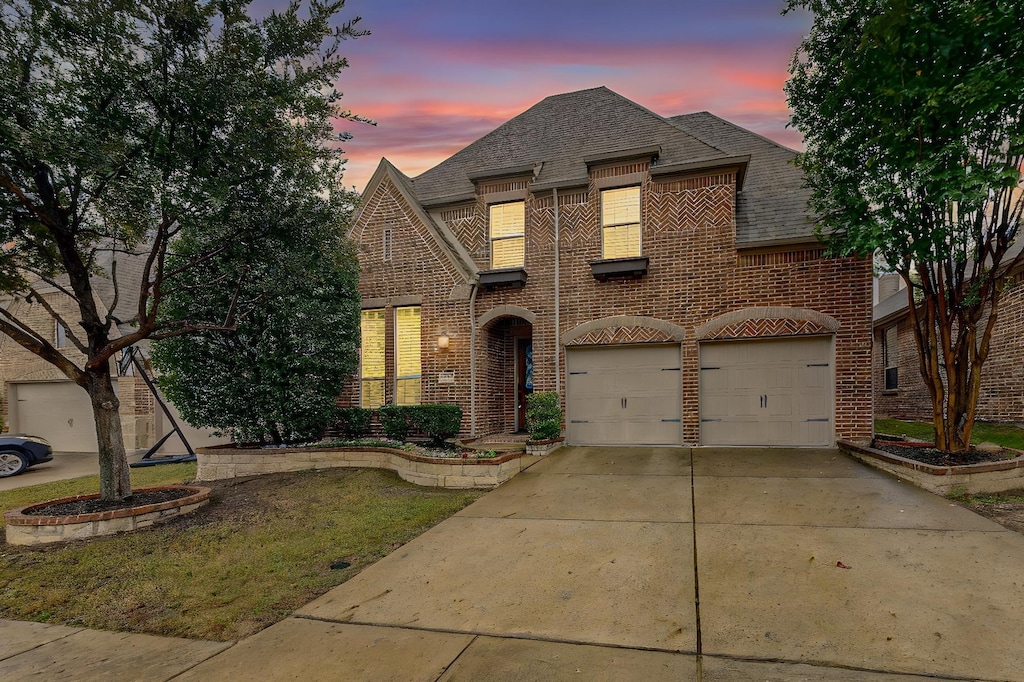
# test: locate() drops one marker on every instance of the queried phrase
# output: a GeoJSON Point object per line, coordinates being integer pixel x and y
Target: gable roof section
{"type": "Point", "coordinates": [450, 246]}
{"type": "Point", "coordinates": [561, 132]}
{"type": "Point", "coordinates": [772, 207]}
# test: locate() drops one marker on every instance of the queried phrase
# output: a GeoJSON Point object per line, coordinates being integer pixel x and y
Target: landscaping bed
{"type": "Point", "coordinates": [435, 466]}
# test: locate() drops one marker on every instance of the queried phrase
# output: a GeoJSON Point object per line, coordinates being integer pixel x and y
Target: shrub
{"type": "Point", "coordinates": [438, 422]}
{"type": "Point", "coordinates": [394, 420]}
{"type": "Point", "coordinates": [354, 422]}
{"type": "Point", "coordinates": [544, 415]}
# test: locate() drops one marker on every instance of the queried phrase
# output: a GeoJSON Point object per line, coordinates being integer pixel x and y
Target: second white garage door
{"type": "Point", "coordinates": [624, 395]}
{"type": "Point", "coordinates": [776, 392]}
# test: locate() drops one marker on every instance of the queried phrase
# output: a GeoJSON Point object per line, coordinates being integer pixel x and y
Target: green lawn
{"type": "Point", "coordinates": [1007, 435]}
{"type": "Point", "coordinates": [262, 548]}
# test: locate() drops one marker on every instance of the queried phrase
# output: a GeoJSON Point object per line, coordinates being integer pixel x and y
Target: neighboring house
{"type": "Point", "coordinates": [900, 392]}
{"type": "Point", "coordinates": [36, 398]}
{"type": "Point", "coordinates": [661, 274]}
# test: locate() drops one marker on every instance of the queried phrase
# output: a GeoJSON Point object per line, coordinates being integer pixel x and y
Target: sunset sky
{"type": "Point", "coordinates": [437, 75]}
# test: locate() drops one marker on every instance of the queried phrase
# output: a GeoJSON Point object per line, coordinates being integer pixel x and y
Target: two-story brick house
{"type": "Point", "coordinates": [661, 274]}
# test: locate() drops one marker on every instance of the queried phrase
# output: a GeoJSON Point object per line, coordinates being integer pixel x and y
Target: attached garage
{"type": "Point", "coordinates": [58, 411]}
{"type": "Point", "coordinates": [767, 392]}
{"type": "Point", "coordinates": [623, 395]}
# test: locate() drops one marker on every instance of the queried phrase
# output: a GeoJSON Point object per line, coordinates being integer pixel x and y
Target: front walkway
{"type": "Point", "coordinates": [588, 566]}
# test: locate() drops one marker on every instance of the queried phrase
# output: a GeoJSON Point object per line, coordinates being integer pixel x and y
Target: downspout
{"type": "Point", "coordinates": [472, 359]}
{"type": "Point", "coordinates": [558, 326]}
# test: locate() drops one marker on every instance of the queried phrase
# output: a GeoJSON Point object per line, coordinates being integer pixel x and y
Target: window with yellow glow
{"type": "Point", "coordinates": [508, 234]}
{"type": "Point", "coordinates": [407, 356]}
{"type": "Point", "coordinates": [372, 358]}
{"type": "Point", "coordinates": [620, 222]}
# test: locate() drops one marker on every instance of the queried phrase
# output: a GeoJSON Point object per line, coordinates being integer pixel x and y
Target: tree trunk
{"type": "Point", "coordinates": [115, 482]}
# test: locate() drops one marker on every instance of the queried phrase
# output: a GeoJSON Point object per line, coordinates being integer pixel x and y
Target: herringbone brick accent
{"type": "Point", "coordinates": [622, 335]}
{"type": "Point", "coordinates": [469, 223]}
{"type": "Point", "coordinates": [769, 327]}
{"type": "Point", "coordinates": [689, 209]}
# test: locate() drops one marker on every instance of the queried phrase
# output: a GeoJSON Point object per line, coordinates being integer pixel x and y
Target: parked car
{"type": "Point", "coordinates": [19, 451]}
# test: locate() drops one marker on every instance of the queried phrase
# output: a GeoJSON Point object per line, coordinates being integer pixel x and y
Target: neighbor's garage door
{"type": "Point", "coordinates": [625, 395]}
{"type": "Point", "coordinates": [776, 392]}
{"type": "Point", "coordinates": [58, 411]}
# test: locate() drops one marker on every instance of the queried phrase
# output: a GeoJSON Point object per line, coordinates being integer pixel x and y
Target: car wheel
{"type": "Point", "coordinates": [12, 463]}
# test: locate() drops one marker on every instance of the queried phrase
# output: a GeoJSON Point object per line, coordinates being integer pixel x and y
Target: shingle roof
{"type": "Point", "coordinates": [773, 203]}
{"type": "Point", "coordinates": [561, 131]}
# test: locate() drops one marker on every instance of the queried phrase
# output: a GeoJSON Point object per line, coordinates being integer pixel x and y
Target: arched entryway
{"type": "Point", "coordinates": [505, 374]}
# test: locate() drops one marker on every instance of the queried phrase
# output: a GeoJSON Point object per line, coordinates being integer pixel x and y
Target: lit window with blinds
{"type": "Point", "coordinates": [620, 222]}
{"type": "Point", "coordinates": [508, 234]}
{"type": "Point", "coordinates": [407, 356]}
{"type": "Point", "coordinates": [372, 358]}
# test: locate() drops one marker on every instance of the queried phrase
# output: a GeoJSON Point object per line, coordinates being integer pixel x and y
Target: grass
{"type": "Point", "coordinates": [1009, 497]}
{"type": "Point", "coordinates": [262, 548]}
{"type": "Point", "coordinates": [1007, 435]}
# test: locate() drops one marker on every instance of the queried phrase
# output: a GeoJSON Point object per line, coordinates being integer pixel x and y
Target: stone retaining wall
{"type": "Point", "coordinates": [229, 462]}
{"type": "Point", "coordinates": [987, 477]}
{"type": "Point", "coordinates": [28, 529]}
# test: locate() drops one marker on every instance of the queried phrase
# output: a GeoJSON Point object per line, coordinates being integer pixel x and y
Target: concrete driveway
{"type": "Point", "coordinates": [64, 465]}
{"type": "Point", "coordinates": [801, 565]}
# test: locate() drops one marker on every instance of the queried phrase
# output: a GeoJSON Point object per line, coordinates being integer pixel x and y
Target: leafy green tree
{"type": "Point", "coordinates": [913, 116]}
{"type": "Point", "coordinates": [128, 125]}
{"type": "Point", "coordinates": [274, 377]}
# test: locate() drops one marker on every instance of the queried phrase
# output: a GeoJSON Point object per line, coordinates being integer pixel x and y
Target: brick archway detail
{"type": "Point", "coordinates": [767, 321]}
{"type": "Point", "coordinates": [505, 311]}
{"type": "Point", "coordinates": [623, 329]}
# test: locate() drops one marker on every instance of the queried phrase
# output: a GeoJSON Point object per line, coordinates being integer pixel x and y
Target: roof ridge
{"type": "Point", "coordinates": [644, 109]}
{"type": "Point", "coordinates": [748, 131]}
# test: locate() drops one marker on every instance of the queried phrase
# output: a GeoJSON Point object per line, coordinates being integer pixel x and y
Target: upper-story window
{"type": "Point", "coordinates": [620, 222]}
{"type": "Point", "coordinates": [60, 336]}
{"type": "Point", "coordinates": [408, 348]}
{"type": "Point", "coordinates": [508, 234]}
{"type": "Point", "coordinates": [371, 369]}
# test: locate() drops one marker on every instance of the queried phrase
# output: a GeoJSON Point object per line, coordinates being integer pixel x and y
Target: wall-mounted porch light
{"type": "Point", "coordinates": [442, 342]}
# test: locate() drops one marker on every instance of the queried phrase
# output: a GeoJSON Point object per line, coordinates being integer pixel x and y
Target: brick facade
{"type": "Point", "coordinates": [18, 365]}
{"type": "Point", "coordinates": [1002, 377]}
{"type": "Point", "coordinates": [697, 273]}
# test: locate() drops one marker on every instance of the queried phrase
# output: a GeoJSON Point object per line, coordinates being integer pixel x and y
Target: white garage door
{"type": "Point", "coordinates": [776, 392]}
{"type": "Point", "coordinates": [58, 411]}
{"type": "Point", "coordinates": [625, 395]}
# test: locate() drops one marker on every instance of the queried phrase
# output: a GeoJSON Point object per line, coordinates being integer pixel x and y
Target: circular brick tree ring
{"type": "Point", "coordinates": [35, 529]}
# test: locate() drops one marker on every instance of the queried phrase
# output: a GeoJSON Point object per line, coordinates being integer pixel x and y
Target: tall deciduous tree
{"type": "Point", "coordinates": [276, 376]}
{"type": "Point", "coordinates": [913, 116]}
{"type": "Point", "coordinates": [126, 125]}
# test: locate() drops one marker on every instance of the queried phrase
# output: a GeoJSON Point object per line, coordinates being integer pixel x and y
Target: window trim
{"type": "Point", "coordinates": [60, 336]}
{"type": "Point", "coordinates": [407, 377]}
{"type": "Point", "coordinates": [890, 358]}
{"type": "Point", "coordinates": [639, 223]}
{"type": "Point", "coordinates": [491, 238]}
{"type": "Point", "coordinates": [363, 379]}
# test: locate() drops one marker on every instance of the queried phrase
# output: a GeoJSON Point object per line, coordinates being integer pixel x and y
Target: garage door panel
{"type": "Point", "coordinates": [628, 395]}
{"type": "Point", "coordinates": [778, 392]}
{"type": "Point", "coordinates": [60, 412]}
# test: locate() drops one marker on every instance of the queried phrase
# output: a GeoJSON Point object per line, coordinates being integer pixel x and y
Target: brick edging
{"type": "Point", "coordinates": [18, 517]}
{"type": "Point", "coordinates": [1007, 465]}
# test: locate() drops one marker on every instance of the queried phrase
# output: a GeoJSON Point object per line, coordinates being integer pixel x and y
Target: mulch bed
{"type": "Point", "coordinates": [929, 455]}
{"type": "Point", "coordinates": [91, 506]}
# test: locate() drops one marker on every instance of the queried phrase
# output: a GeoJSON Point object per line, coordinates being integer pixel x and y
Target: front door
{"type": "Point", "coordinates": [524, 379]}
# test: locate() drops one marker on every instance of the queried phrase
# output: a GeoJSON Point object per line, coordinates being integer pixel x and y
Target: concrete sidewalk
{"type": "Point", "coordinates": [630, 563]}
